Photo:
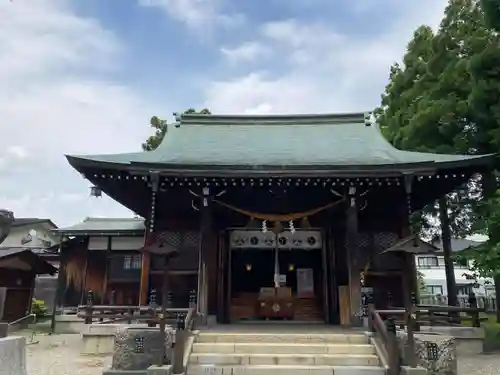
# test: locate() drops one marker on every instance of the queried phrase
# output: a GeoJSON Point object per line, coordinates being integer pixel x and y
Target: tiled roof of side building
{"type": "Point", "coordinates": [458, 244]}
{"type": "Point", "coordinates": [92, 225]}
{"type": "Point", "coordinates": [343, 141]}
{"type": "Point", "coordinates": [18, 222]}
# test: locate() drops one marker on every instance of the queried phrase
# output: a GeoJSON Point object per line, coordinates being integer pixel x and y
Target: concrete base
{"type": "Point", "coordinates": [469, 340]}
{"type": "Point", "coordinates": [286, 370]}
{"type": "Point", "coordinates": [124, 372]}
{"type": "Point", "coordinates": [99, 339]}
{"type": "Point", "coordinates": [160, 370]}
{"type": "Point", "coordinates": [69, 324]}
{"type": "Point", "coordinates": [152, 370]}
{"type": "Point", "coordinates": [13, 355]}
{"type": "Point", "coordinates": [405, 370]}
{"type": "Point", "coordinates": [97, 343]}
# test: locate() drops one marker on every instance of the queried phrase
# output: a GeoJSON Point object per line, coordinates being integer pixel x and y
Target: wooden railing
{"type": "Point", "coordinates": [384, 323]}
{"type": "Point", "coordinates": [182, 319]}
{"type": "Point", "coordinates": [386, 332]}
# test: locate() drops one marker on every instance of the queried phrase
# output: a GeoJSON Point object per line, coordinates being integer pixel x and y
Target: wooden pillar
{"type": "Point", "coordinates": [106, 270]}
{"type": "Point", "coordinates": [154, 178]}
{"type": "Point", "coordinates": [352, 236]}
{"type": "Point", "coordinates": [144, 281]}
{"type": "Point", "coordinates": [409, 259]}
{"type": "Point", "coordinates": [59, 295]}
{"type": "Point", "coordinates": [83, 287]}
{"type": "Point", "coordinates": [205, 247]}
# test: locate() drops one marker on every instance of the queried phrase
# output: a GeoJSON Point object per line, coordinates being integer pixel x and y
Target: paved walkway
{"type": "Point", "coordinates": [60, 355]}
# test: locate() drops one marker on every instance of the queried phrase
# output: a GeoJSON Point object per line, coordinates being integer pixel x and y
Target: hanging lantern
{"type": "Point", "coordinates": [95, 192]}
{"type": "Point", "coordinates": [248, 267]}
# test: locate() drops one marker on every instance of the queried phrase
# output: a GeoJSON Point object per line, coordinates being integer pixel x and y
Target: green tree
{"type": "Point", "coordinates": [161, 127]}
{"type": "Point", "coordinates": [453, 106]}
{"type": "Point", "coordinates": [408, 108]}
{"type": "Point", "coordinates": [492, 13]}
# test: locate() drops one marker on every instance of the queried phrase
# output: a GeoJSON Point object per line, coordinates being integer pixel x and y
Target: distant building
{"type": "Point", "coordinates": [36, 235]}
{"type": "Point", "coordinates": [432, 269]}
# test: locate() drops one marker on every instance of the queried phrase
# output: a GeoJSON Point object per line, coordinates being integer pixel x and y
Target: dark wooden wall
{"type": "Point", "coordinates": [19, 286]}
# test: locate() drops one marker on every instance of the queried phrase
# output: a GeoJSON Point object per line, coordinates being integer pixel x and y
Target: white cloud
{"type": "Point", "coordinates": [51, 103]}
{"type": "Point", "coordinates": [200, 15]}
{"type": "Point", "coordinates": [17, 152]}
{"type": "Point", "coordinates": [325, 68]}
{"type": "Point", "coordinates": [246, 52]}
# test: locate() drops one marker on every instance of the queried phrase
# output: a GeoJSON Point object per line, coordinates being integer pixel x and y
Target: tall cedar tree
{"type": "Point", "coordinates": [161, 127]}
{"type": "Point", "coordinates": [456, 110]}
{"type": "Point", "coordinates": [492, 13]}
{"type": "Point", "coordinates": [407, 109]}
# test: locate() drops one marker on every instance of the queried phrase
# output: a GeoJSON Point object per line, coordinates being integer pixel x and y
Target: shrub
{"type": "Point", "coordinates": [38, 308]}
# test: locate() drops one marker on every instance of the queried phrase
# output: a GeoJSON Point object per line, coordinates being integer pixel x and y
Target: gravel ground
{"type": "Point", "coordinates": [485, 364]}
{"type": "Point", "coordinates": [60, 355]}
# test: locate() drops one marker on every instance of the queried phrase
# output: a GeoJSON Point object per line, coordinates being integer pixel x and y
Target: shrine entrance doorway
{"type": "Point", "coordinates": [276, 283]}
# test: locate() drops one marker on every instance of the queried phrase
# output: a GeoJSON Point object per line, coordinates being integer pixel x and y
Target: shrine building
{"type": "Point", "coordinates": [273, 217]}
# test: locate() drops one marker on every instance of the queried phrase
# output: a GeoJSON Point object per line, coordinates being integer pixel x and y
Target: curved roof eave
{"type": "Point", "coordinates": [109, 162]}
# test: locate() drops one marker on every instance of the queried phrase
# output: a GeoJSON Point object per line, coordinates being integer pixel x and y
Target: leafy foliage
{"type": "Point", "coordinates": [422, 288]}
{"type": "Point", "coordinates": [486, 257]}
{"type": "Point", "coordinates": [492, 13]}
{"type": "Point", "coordinates": [161, 127]}
{"type": "Point", "coordinates": [38, 308]}
{"type": "Point", "coordinates": [445, 98]}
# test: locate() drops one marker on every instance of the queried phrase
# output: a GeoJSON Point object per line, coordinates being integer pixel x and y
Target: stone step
{"type": "Point", "coordinates": [283, 348]}
{"type": "Point", "coordinates": [284, 370]}
{"type": "Point", "coordinates": [209, 337]}
{"type": "Point", "coordinates": [295, 359]}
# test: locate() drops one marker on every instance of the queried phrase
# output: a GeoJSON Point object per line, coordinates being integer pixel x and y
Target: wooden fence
{"type": "Point", "coordinates": [181, 319]}
{"type": "Point", "coordinates": [488, 303]}
{"type": "Point", "coordinates": [384, 323]}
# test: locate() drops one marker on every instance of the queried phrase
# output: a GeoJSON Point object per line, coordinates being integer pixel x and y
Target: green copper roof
{"type": "Point", "coordinates": [105, 226]}
{"type": "Point", "coordinates": [345, 141]}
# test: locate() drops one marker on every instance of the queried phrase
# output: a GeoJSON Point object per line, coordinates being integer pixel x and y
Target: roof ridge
{"type": "Point", "coordinates": [113, 219]}
{"type": "Point", "coordinates": [282, 119]}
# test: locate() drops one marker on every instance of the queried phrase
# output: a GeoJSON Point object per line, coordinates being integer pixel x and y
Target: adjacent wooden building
{"type": "Point", "coordinates": [284, 217]}
{"type": "Point", "coordinates": [104, 255]}
{"type": "Point", "coordinates": [18, 270]}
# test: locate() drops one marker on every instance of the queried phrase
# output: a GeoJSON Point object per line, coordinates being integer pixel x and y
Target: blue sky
{"type": "Point", "coordinates": [84, 76]}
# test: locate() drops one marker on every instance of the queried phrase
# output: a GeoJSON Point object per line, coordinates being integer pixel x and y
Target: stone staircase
{"type": "Point", "coordinates": [283, 354]}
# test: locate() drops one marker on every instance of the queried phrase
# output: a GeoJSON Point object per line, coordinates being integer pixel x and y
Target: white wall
{"type": "Point", "coordinates": [437, 276]}
{"type": "Point", "coordinates": [39, 234]}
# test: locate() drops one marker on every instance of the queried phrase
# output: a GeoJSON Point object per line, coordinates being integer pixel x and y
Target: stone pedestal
{"type": "Point", "coordinates": [444, 359]}
{"type": "Point", "coordinates": [136, 349]}
{"type": "Point", "coordinates": [13, 355]}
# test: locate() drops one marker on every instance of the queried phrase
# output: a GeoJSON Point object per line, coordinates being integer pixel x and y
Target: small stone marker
{"type": "Point", "coordinates": [138, 348]}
